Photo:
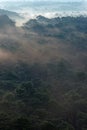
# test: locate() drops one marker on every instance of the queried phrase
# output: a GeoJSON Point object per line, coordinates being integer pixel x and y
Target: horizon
{"type": "Point", "coordinates": [29, 9]}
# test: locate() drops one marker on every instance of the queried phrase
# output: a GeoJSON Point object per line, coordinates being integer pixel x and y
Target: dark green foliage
{"type": "Point", "coordinates": [36, 102]}
{"type": "Point", "coordinates": [50, 95]}
{"type": "Point", "coordinates": [21, 124]}
{"type": "Point", "coordinates": [48, 126]}
{"type": "Point", "coordinates": [81, 76]}
{"type": "Point", "coordinates": [32, 95]}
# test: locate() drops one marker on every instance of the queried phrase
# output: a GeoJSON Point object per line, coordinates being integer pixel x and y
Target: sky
{"type": "Point", "coordinates": [46, 0]}
{"type": "Point", "coordinates": [32, 9]}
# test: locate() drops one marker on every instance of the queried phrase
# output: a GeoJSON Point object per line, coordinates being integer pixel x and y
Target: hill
{"type": "Point", "coordinates": [43, 74]}
{"type": "Point", "coordinates": [10, 14]}
{"type": "Point", "coordinates": [6, 21]}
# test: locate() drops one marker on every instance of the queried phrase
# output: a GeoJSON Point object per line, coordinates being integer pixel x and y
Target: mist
{"type": "Point", "coordinates": [29, 49]}
{"type": "Point", "coordinates": [29, 9]}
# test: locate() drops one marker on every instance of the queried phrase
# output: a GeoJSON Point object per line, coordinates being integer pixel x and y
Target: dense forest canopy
{"type": "Point", "coordinates": [43, 74]}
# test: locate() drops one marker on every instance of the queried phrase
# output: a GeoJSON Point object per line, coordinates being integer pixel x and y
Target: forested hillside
{"type": "Point", "coordinates": [43, 74]}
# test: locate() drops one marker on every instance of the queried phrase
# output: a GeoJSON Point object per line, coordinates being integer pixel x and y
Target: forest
{"type": "Point", "coordinates": [43, 74]}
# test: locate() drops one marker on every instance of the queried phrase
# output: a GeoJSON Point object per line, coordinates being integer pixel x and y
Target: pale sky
{"type": "Point", "coordinates": [45, 0]}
